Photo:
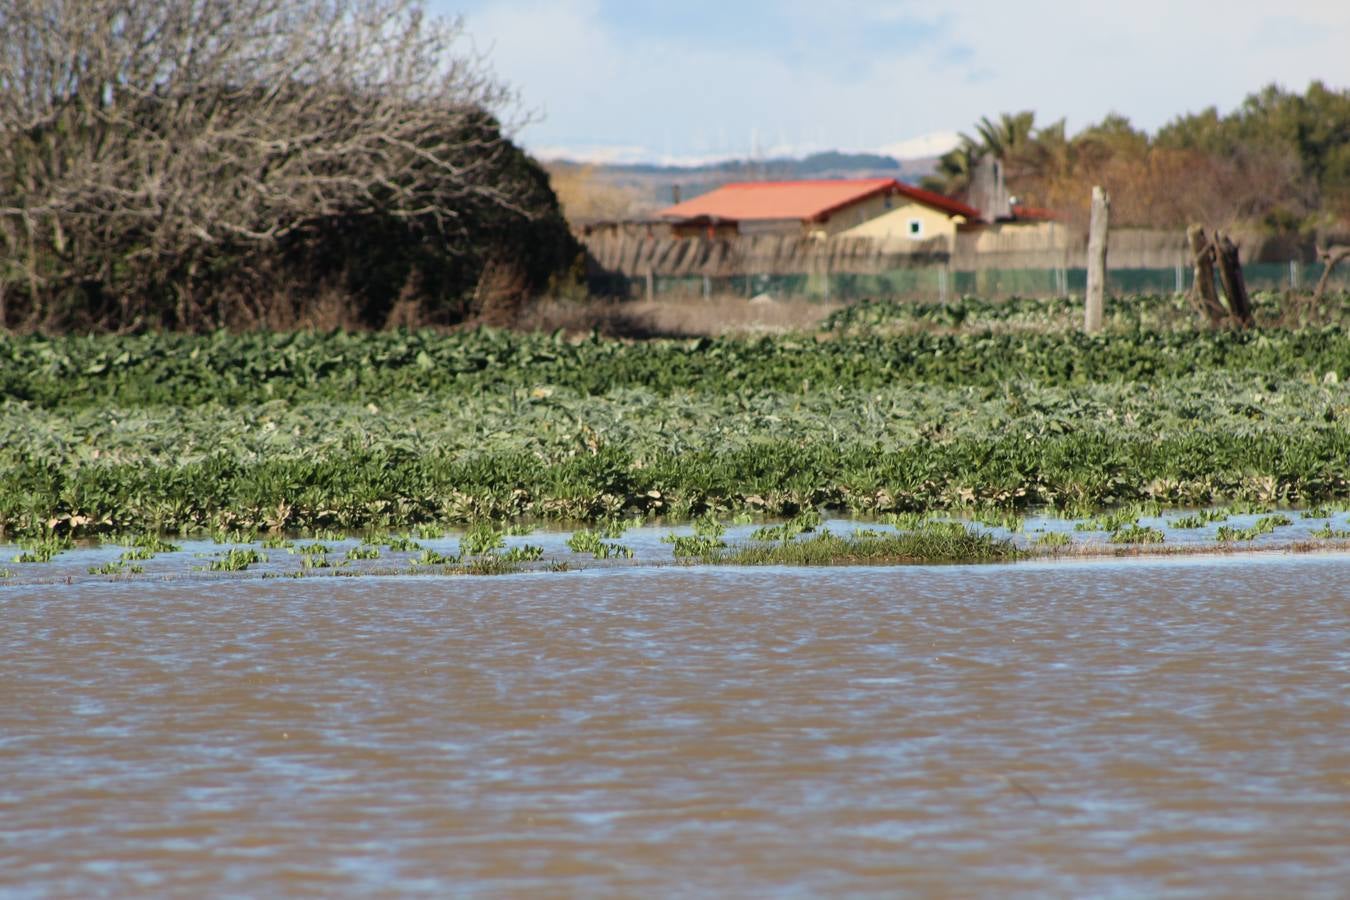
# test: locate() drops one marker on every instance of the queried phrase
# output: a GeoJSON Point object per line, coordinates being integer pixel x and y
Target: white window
{"type": "Point", "coordinates": [916, 228]}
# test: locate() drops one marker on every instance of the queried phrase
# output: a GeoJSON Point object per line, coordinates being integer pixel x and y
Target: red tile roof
{"type": "Point", "coordinates": [804, 200]}
{"type": "Point", "coordinates": [1034, 213]}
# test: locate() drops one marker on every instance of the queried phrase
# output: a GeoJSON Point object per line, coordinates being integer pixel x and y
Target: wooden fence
{"type": "Point", "coordinates": [1041, 247]}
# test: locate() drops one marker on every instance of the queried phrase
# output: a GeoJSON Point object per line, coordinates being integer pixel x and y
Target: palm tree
{"type": "Point", "coordinates": [1011, 134]}
{"type": "Point", "coordinates": [954, 170]}
{"type": "Point", "coordinates": [1009, 138]}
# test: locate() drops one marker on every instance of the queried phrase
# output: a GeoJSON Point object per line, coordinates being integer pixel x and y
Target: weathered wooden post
{"type": "Point", "coordinates": [1230, 275]}
{"type": "Point", "coordinates": [1331, 257]}
{"type": "Point", "coordinates": [1203, 293]}
{"type": "Point", "coordinates": [1096, 259]}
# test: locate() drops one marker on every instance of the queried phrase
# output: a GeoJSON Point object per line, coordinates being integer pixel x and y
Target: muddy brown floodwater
{"type": "Point", "coordinates": [1136, 728]}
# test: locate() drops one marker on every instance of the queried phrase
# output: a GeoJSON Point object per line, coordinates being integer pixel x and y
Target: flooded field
{"type": "Point", "coordinates": [1102, 728]}
{"type": "Point", "coordinates": [434, 550]}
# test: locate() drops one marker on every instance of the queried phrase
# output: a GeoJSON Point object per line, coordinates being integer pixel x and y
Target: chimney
{"type": "Point", "coordinates": [674, 194]}
{"type": "Point", "coordinates": [988, 193]}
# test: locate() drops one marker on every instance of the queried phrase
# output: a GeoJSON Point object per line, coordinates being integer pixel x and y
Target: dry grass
{"type": "Point", "coordinates": [683, 317]}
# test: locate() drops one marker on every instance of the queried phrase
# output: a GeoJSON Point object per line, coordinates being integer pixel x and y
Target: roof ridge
{"type": "Point", "coordinates": [805, 199]}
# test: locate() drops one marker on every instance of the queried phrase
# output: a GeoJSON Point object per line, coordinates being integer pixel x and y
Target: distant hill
{"type": "Point", "coordinates": [649, 187]}
{"type": "Point", "coordinates": [811, 166]}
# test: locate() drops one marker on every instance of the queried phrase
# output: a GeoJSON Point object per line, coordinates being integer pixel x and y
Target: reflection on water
{"type": "Point", "coordinates": [1089, 729]}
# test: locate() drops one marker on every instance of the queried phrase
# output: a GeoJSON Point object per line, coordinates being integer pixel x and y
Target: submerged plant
{"type": "Point", "coordinates": [906, 521]}
{"type": "Point", "coordinates": [44, 549]}
{"type": "Point", "coordinates": [1200, 519]}
{"type": "Point", "coordinates": [1000, 518]}
{"type": "Point", "coordinates": [490, 565]}
{"type": "Point", "coordinates": [616, 528]}
{"type": "Point", "coordinates": [429, 557]}
{"type": "Point", "coordinates": [480, 539]}
{"type": "Point", "coordinates": [804, 522]}
{"type": "Point", "coordinates": [929, 545]}
{"type": "Point", "coordinates": [237, 560]}
{"type": "Point", "coordinates": [1263, 525]}
{"type": "Point", "coordinates": [151, 544]}
{"type": "Point", "coordinates": [1052, 539]}
{"type": "Point", "coordinates": [1136, 534]}
{"type": "Point", "coordinates": [116, 568]}
{"type": "Point", "coordinates": [402, 544]}
{"type": "Point", "coordinates": [589, 542]}
{"type": "Point", "coordinates": [694, 545]}
{"type": "Point", "coordinates": [1326, 532]}
{"type": "Point", "coordinates": [1111, 522]}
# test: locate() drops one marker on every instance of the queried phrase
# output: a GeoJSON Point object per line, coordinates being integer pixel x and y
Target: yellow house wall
{"type": "Point", "coordinates": [850, 217]}
{"type": "Point", "coordinates": [894, 223]}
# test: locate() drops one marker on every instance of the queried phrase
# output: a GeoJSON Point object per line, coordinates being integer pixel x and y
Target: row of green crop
{"type": "Point", "coordinates": [1121, 313]}
{"type": "Point", "coordinates": [183, 370]}
{"type": "Point", "coordinates": [556, 423]}
{"type": "Point", "coordinates": [357, 489]}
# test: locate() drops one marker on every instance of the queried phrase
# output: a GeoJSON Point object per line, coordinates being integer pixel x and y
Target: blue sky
{"type": "Point", "coordinates": [699, 79]}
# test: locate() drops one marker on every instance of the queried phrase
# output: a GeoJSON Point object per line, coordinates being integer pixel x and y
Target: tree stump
{"type": "Point", "coordinates": [1203, 294]}
{"type": "Point", "coordinates": [1234, 285]}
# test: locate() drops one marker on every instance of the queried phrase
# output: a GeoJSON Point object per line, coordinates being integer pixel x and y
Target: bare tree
{"type": "Point", "coordinates": [143, 141]}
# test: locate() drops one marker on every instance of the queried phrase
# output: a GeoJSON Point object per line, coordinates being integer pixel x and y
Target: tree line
{"type": "Point", "coordinates": [1280, 161]}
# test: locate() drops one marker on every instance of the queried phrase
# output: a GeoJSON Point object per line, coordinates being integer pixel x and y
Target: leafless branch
{"type": "Point", "coordinates": [135, 134]}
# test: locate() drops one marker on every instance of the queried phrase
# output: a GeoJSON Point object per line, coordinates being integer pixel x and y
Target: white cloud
{"type": "Point", "coordinates": [677, 96]}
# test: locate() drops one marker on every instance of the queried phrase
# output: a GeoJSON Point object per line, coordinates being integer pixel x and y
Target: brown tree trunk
{"type": "Point", "coordinates": [1204, 296]}
{"type": "Point", "coordinates": [1234, 285]}
{"type": "Point", "coordinates": [1330, 257]}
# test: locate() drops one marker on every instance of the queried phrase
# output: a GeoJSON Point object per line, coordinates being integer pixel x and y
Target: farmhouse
{"type": "Point", "coordinates": [862, 207]}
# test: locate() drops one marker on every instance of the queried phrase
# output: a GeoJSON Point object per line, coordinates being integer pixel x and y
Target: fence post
{"type": "Point", "coordinates": [707, 287]}
{"type": "Point", "coordinates": [1293, 274]}
{"type": "Point", "coordinates": [1096, 260]}
{"type": "Point", "coordinates": [651, 285]}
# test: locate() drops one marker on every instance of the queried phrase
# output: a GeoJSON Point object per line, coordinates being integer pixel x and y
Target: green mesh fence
{"type": "Point", "coordinates": [938, 283]}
